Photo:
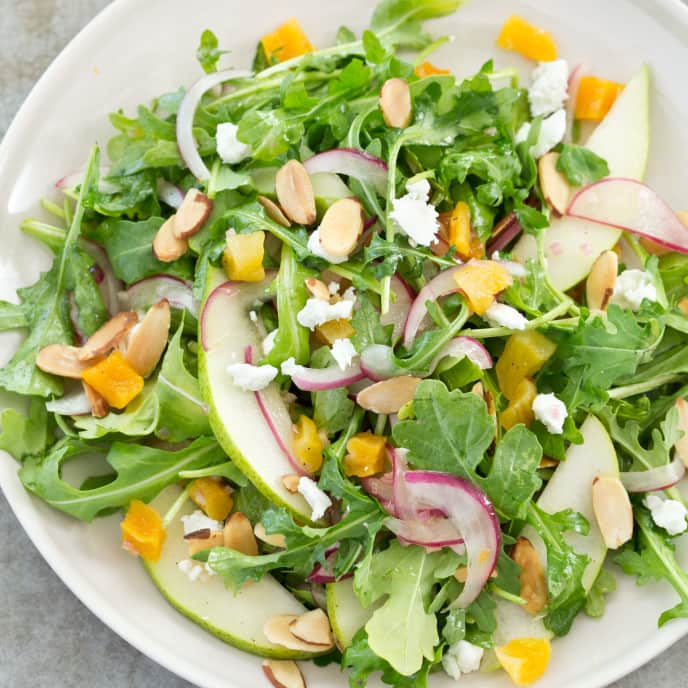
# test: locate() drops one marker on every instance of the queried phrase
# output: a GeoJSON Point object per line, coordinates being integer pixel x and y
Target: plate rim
{"type": "Point", "coordinates": [107, 612]}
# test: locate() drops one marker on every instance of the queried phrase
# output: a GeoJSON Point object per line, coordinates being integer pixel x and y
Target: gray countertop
{"type": "Point", "coordinates": [47, 637]}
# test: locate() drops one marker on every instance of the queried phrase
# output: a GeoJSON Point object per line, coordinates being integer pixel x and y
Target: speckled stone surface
{"type": "Point", "coordinates": [48, 639]}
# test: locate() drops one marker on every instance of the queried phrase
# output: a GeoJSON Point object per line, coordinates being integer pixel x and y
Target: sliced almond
{"type": "Point", "coordinates": [461, 574]}
{"type": "Point", "coordinates": [683, 305]}
{"type": "Point", "coordinates": [108, 336]}
{"type": "Point", "coordinates": [198, 544]}
{"type": "Point", "coordinates": [283, 673]}
{"type": "Point", "coordinates": [166, 246]}
{"type": "Point", "coordinates": [192, 214]}
{"type": "Point", "coordinates": [148, 341]}
{"type": "Point", "coordinates": [318, 289]}
{"type": "Point", "coordinates": [613, 510]}
{"type": "Point", "coordinates": [277, 630]}
{"type": "Point", "coordinates": [478, 390]}
{"type": "Point", "coordinates": [681, 446]}
{"type": "Point", "coordinates": [395, 103]}
{"type": "Point", "coordinates": [276, 539]}
{"type": "Point", "coordinates": [388, 396]}
{"type": "Point", "coordinates": [99, 407]}
{"type": "Point", "coordinates": [313, 627]}
{"type": "Point", "coordinates": [295, 193]}
{"type": "Point", "coordinates": [274, 212]}
{"type": "Point", "coordinates": [532, 576]}
{"type": "Point", "coordinates": [291, 482]}
{"type": "Point", "coordinates": [555, 188]}
{"type": "Point", "coordinates": [341, 227]}
{"type": "Point", "coordinates": [238, 535]}
{"type": "Point", "coordinates": [599, 287]}
{"type": "Point", "coordinates": [62, 360]}
{"type": "Point", "coordinates": [547, 462]}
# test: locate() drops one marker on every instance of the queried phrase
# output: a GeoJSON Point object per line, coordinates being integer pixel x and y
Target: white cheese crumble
{"type": "Point", "coordinates": [552, 132]}
{"type": "Point", "coordinates": [461, 658]}
{"type": "Point", "coordinates": [252, 378]}
{"type": "Point", "coordinates": [269, 342]}
{"type": "Point", "coordinates": [349, 295]}
{"type": "Point", "coordinates": [549, 90]}
{"type": "Point", "coordinates": [551, 412]}
{"type": "Point", "coordinates": [317, 312]}
{"type": "Point", "coordinates": [415, 216]}
{"type": "Point", "coordinates": [316, 498]}
{"type": "Point", "coordinates": [195, 571]}
{"type": "Point", "coordinates": [333, 288]}
{"type": "Point", "coordinates": [343, 352]}
{"type": "Point", "coordinates": [229, 148]}
{"type": "Point", "coordinates": [503, 315]}
{"type": "Point", "coordinates": [632, 286]}
{"type": "Point", "coordinates": [253, 316]}
{"type": "Point", "coordinates": [315, 247]}
{"type": "Point", "coordinates": [199, 521]}
{"type": "Point", "coordinates": [669, 514]}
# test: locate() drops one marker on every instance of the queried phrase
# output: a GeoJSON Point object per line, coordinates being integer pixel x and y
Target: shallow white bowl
{"type": "Point", "coordinates": [137, 50]}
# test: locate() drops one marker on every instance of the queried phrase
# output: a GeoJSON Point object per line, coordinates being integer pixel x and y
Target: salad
{"type": "Point", "coordinates": [380, 364]}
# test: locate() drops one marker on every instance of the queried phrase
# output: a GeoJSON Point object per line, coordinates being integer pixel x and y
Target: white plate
{"type": "Point", "coordinates": [136, 50]}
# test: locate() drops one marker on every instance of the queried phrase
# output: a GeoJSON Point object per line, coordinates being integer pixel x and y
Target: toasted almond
{"type": "Point", "coordinates": [683, 305]}
{"type": "Point", "coordinates": [295, 193]}
{"type": "Point", "coordinates": [273, 211]}
{"type": "Point", "coordinates": [198, 544]}
{"type": "Point", "coordinates": [681, 445]}
{"type": "Point", "coordinates": [388, 396]}
{"type": "Point", "coordinates": [395, 103]}
{"type": "Point", "coordinates": [341, 227]}
{"type": "Point", "coordinates": [283, 673]}
{"type": "Point", "coordinates": [547, 462]}
{"type": "Point", "coordinates": [599, 287]}
{"type": "Point", "coordinates": [478, 390]}
{"type": "Point", "coordinates": [532, 576]}
{"type": "Point", "coordinates": [276, 539]}
{"type": "Point", "coordinates": [318, 289]}
{"type": "Point", "coordinates": [108, 336]}
{"type": "Point", "coordinates": [314, 628]}
{"type": "Point", "coordinates": [166, 246]}
{"type": "Point", "coordinates": [148, 341]}
{"type": "Point", "coordinates": [491, 407]}
{"type": "Point", "coordinates": [62, 360]}
{"type": "Point", "coordinates": [277, 630]}
{"type": "Point", "coordinates": [291, 482]}
{"type": "Point", "coordinates": [239, 535]}
{"type": "Point", "coordinates": [613, 510]}
{"type": "Point", "coordinates": [99, 407]}
{"type": "Point", "coordinates": [461, 574]}
{"type": "Point", "coordinates": [192, 214]}
{"type": "Point", "coordinates": [555, 188]}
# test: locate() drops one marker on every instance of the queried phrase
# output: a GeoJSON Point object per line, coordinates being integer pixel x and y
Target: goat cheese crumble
{"type": "Point", "coordinates": [503, 315]}
{"type": "Point", "coordinates": [194, 570]}
{"type": "Point", "coordinates": [632, 286]}
{"type": "Point", "coordinates": [549, 90]}
{"type": "Point", "coordinates": [669, 514]}
{"type": "Point", "coordinates": [461, 658]}
{"type": "Point", "coordinates": [318, 501]}
{"type": "Point", "coordinates": [199, 521]}
{"type": "Point", "coordinates": [415, 216]}
{"type": "Point", "coordinates": [252, 378]}
{"type": "Point", "coordinates": [343, 352]}
{"type": "Point", "coordinates": [551, 412]}
{"type": "Point", "coordinates": [229, 148]}
{"type": "Point", "coordinates": [552, 132]}
{"type": "Point", "coordinates": [317, 312]}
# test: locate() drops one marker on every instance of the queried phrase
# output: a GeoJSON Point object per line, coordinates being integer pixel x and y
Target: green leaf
{"type": "Point", "coordinates": [332, 409]}
{"type": "Point", "coordinates": [451, 431]}
{"type": "Point", "coordinates": [22, 436]}
{"type": "Point", "coordinates": [90, 310]}
{"type": "Point", "coordinates": [604, 584]}
{"type": "Point", "coordinates": [404, 576]}
{"type": "Point", "coordinates": [270, 132]}
{"type": "Point", "coordinates": [375, 52]}
{"type": "Point", "coordinates": [142, 472]}
{"type": "Point", "coordinates": [208, 53]}
{"type": "Point", "coordinates": [12, 316]}
{"type": "Point", "coordinates": [513, 479]}
{"type": "Point", "coordinates": [580, 165]}
{"type": "Point", "coordinates": [366, 324]}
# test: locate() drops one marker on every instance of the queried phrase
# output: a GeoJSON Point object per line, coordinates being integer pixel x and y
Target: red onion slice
{"type": "Point", "coordinates": [503, 234]}
{"type": "Point", "coordinates": [324, 573]}
{"type": "Point", "coordinates": [353, 163]}
{"type": "Point", "coordinates": [441, 285]}
{"type": "Point", "coordinates": [321, 379]}
{"type": "Point", "coordinates": [170, 194]}
{"type": "Point", "coordinates": [632, 206]}
{"type": "Point", "coordinates": [143, 294]}
{"type": "Point", "coordinates": [186, 114]}
{"type": "Point", "coordinates": [71, 181]}
{"type": "Point", "coordinates": [382, 489]}
{"type": "Point", "coordinates": [435, 532]}
{"type": "Point", "coordinates": [74, 403]}
{"type": "Point", "coordinates": [399, 308]}
{"type": "Point", "coordinates": [469, 509]}
{"type": "Point", "coordinates": [464, 346]}
{"type": "Point", "coordinates": [654, 479]}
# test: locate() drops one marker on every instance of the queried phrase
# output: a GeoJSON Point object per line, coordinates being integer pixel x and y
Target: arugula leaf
{"type": "Point", "coordinates": [653, 559]}
{"type": "Point", "coordinates": [366, 324]}
{"type": "Point", "coordinates": [90, 309]}
{"type": "Point", "coordinates": [604, 584]}
{"type": "Point", "coordinates": [46, 308]}
{"type": "Point", "coordinates": [451, 431]}
{"type": "Point", "coordinates": [404, 575]}
{"type": "Point", "coordinates": [208, 53]}
{"type": "Point", "coordinates": [128, 245]}
{"type": "Point", "coordinates": [142, 472]}
{"type": "Point", "coordinates": [22, 436]}
{"type": "Point", "coordinates": [12, 316]}
{"type": "Point", "coordinates": [332, 409]}
{"type": "Point", "coordinates": [580, 165]}
{"type": "Point", "coordinates": [513, 479]}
